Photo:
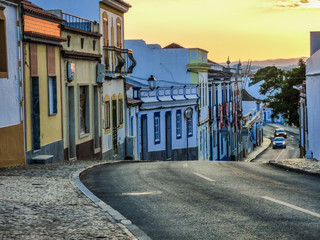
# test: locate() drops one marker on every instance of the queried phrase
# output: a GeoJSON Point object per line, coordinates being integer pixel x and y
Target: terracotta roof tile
{"type": "Point", "coordinates": [247, 97]}
{"type": "Point", "coordinates": [128, 86]}
{"type": "Point", "coordinates": [44, 36]}
{"type": "Point", "coordinates": [133, 102]}
{"type": "Point", "coordinates": [29, 7]}
{"type": "Point", "coordinates": [173, 45]}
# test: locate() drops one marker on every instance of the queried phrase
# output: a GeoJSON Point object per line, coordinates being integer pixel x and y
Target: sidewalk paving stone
{"type": "Point", "coordinates": [42, 202]}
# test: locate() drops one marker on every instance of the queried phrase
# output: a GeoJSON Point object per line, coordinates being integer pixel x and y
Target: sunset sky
{"type": "Point", "coordinates": [247, 29]}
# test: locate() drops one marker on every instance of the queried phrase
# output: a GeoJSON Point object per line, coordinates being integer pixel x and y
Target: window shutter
{"type": "Point", "coordinates": [33, 60]}
{"type": "Point", "coordinates": [105, 26]}
{"type": "Point", "coordinates": [51, 61]}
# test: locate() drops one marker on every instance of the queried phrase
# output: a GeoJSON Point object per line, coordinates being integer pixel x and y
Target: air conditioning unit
{"type": "Point", "coordinates": [131, 147]}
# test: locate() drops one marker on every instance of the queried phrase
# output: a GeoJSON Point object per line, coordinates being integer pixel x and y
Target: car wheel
{"type": "Point", "coordinates": [273, 147]}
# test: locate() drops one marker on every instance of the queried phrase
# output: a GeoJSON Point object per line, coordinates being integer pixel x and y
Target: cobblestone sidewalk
{"type": "Point", "coordinates": [41, 202]}
{"type": "Point", "coordinates": [299, 164]}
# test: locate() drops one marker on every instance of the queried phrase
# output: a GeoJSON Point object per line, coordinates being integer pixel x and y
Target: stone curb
{"type": "Point", "coordinates": [251, 159]}
{"type": "Point", "coordinates": [113, 215]}
{"type": "Point", "coordinates": [298, 170]}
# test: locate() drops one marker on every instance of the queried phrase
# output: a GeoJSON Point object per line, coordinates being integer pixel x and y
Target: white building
{"type": "Point", "coordinates": [313, 97]}
{"type": "Point", "coordinates": [175, 66]}
{"type": "Point", "coordinates": [159, 127]}
{"type": "Point", "coordinates": [12, 151]}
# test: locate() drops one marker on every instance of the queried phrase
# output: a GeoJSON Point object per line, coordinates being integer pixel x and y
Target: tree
{"type": "Point", "coordinates": [278, 87]}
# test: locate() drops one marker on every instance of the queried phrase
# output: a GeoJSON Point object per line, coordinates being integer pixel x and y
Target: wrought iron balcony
{"type": "Point", "coordinates": [79, 23]}
{"type": "Point", "coordinates": [118, 61]}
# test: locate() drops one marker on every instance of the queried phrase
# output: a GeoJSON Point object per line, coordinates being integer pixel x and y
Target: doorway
{"type": "Point", "coordinates": [144, 138]}
{"type": "Point", "coordinates": [72, 153]}
{"type": "Point", "coordinates": [168, 136]}
{"type": "Point", "coordinates": [114, 127]}
{"type": "Point", "coordinates": [96, 120]}
{"type": "Point", "coordinates": [35, 114]}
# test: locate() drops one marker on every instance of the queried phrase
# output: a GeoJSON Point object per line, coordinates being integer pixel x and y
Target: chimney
{"type": "Point", "coordinates": [314, 42]}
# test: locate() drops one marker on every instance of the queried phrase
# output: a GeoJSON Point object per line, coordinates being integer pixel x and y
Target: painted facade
{"type": "Point", "coordinates": [225, 112]}
{"type": "Point", "coordinates": [252, 130]}
{"type": "Point", "coordinates": [160, 126]}
{"type": "Point", "coordinates": [118, 63]}
{"type": "Point", "coordinates": [11, 86]}
{"type": "Point", "coordinates": [313, 97]}
{"type": "Point", "coordinates": [303, 120]}
{"type": "Point", "coordinates": [42, 84]}
{"type": "Point", "coordinates": [81, 92]}
{"type": "Point", "coordinates": [175, 66]}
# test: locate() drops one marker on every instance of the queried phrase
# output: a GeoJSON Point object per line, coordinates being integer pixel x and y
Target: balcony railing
{"type": "Point", "coordinates": [118, 61]}
{"type": "Point", "coordinates": [79, 23]}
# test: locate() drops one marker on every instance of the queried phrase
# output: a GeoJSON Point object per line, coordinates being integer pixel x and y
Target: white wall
{"type": "Point", "coordinates": [9, 87]}
{"type": "Point", "coordinates": [169, 66]}
{"type": "Point", "coordinates": [176, 143]}
{"type": "Point", "coordinates": [313, 99]}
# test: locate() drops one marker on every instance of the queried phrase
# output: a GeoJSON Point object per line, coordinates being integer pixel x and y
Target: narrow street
{"type": "Point", "coordinates": [210, 200]}
{"type": "Point", "coordinates": [292, 150]}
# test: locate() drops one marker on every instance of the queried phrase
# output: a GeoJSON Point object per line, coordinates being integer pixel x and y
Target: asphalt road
{"type": "Point", "coordinates": [292, 150]}
{"type": "Point", "coordinates": [211, 200]}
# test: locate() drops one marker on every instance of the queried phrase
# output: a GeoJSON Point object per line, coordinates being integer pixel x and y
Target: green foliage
{"type": "Point", "coordinates": [278, 87]}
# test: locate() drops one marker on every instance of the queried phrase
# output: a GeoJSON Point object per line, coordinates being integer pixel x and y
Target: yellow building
{"type": "Point", "coordinates": [81, 87]}
{"type": "Point", "coordinates": [118, 63]}
{"type": "Point", "coordinates": [42, 85]}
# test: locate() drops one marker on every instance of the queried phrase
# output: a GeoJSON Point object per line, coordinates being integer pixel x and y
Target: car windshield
{"type": "Point", "coordinates": [278, 139]}
{"type": "Point", "coordinates": [279, 131]}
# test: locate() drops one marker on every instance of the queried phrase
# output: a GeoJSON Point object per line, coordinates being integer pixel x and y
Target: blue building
{"type": "Point", "coordinates": [225, 112]}
{"type": "Point", "coordinates": [181, 88]}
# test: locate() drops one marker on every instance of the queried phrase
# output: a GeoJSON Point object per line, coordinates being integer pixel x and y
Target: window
{"type": "Point", "coordinates": [120, 111]}
{"type": "Point", "coordinates": [3, 45]}
{"type": "Point", "coordinates": [105, 29]}
{"type": "Point", "coordinates": [107, 113]}
{"type": "Point", "coordinates": [84, 115]}
{"type": "Point", "coordinates": [118, 33]}
{"type": "Point", "coordinates": [82, 42]}
{"type": "Point", "coordinates": [69, 40]}
{"type": "Point", "coordinates": [157, 127]}
{"type": "Point", "coordinates": [131, 126]}
{"type": "Point", "coordinates": [52, 95]}
{"type": "Point", "coordinates": [94, 45]}
{"type": "Point", "coordinates": [178, 124]}
{"type": "Point", "coordinates": [189, 127]}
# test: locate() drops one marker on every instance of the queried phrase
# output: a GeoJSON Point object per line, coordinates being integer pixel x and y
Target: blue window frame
{"type": "Point", "coordinates": [52, 95]}
{"type": "Point", "coordinates": [156, 127]}
{"type": "Point", "coordinates": [189, 127]}
{"type": "Point", "coordinates": [179, 124]}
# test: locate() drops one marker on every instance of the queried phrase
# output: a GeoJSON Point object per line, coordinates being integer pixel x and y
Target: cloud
{"type": "Point", "coordinates": [297, 3]}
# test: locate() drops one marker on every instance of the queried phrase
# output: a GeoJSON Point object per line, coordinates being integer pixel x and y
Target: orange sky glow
{"type": "Point", "coordinates": [247, 29]}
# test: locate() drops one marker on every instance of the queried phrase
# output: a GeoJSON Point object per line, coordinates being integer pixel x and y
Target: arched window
{"type": "Point", "coordinates": [107, 111]}
{"type": "Point", "coordinates": [119, 33]}
{"type": "Point", "coordinates": [105, 29]}
{"type": "Point", "coordinates": [3, 45]}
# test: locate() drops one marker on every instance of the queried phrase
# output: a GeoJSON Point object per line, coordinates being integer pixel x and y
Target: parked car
{"type": "Point", "coordinates": [279, 142]}
{"type": "Point", "coordinates": [280, 132]}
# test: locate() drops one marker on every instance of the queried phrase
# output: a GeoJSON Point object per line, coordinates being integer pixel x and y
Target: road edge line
{"type": "Point", "coordinates": [125, 224]}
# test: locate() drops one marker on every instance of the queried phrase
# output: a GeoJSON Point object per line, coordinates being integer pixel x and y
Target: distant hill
{"type": "Point", "coordinates": [281, 62]}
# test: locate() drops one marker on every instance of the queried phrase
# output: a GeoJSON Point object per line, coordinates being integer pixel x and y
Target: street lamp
{"type": "Point", "coordinates": [152, 81]}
